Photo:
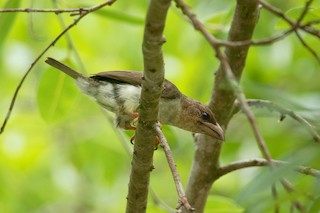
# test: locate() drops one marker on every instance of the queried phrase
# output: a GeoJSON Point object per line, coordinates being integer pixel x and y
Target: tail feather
{"type": "Point", "coordinates": [64, 68]}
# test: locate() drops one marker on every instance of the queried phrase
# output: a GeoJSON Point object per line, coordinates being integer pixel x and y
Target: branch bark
{"type": "Point", "coordinates": [153, 79]}
{"type": "Point", "coordinates": [206, 161]}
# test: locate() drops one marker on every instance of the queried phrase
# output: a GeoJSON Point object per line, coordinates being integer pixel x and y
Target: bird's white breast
{"type": "Point", "coordinates": [118, 98]}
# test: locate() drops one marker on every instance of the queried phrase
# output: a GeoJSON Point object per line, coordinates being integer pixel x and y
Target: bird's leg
{"type": "Point", "coordinates": [128, 122]}
{"type": "Point", "coordinates": [133, 125]}
{"type": "Point", "coordinates": [135, 119]}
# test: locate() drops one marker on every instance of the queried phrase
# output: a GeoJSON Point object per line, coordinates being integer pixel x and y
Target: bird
{"type": "Point", "coordinates": [119, 91]}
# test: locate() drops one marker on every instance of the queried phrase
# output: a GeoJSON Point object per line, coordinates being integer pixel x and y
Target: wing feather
{"type": "Point", "coordinates": [170, 91]}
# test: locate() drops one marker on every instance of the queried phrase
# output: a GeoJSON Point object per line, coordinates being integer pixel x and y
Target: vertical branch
{"type": "Point", "coordinates": [206, 162]}
{"type": "Point", "coordinates": [149, 106]}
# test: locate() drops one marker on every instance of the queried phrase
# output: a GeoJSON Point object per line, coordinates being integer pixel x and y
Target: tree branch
{"type": "Point", "coordinates": [149, 105]}
{"type": "Point", "coordinates": [257, 162]}
{"type": "Point", "coordinates": [44, 10]}
{"type": "Point", "coordinates": [312, 51]}
{"type": "Point", "coordinates": [291, 22]}
{"type": "Point", "coordinates": [264, 41]}
{"type": "Point", "coordinates": [206, 161]}
{"type": "Point", "coordinates": [305, 10]}
{"type": "Point", "coordinates": [283, 113]}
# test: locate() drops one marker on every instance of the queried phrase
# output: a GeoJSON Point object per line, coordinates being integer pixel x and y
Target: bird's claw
{"type": "Point", "coordinates": [132, 138]}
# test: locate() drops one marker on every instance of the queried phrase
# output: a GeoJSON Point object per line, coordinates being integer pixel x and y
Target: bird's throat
{"type": "Point", "coordinates": [169, 111]}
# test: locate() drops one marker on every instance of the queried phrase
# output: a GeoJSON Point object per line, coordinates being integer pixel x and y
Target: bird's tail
{"type": "Point", "coordinates": [64, 68]}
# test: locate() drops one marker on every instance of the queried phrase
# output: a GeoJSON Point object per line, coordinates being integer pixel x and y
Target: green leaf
{"type": "Point", "coordinates": [7, 19]}
{"type": "Point", "coordinates": [121, 16]}
{"type": "Point", "coordinates": [295, 13]}
{"type": "Point", "coordinates": [219, 204]}
{"type": "Point", "coordinates": [315, 207]}
{"type": "Point", "coordinates": [220, 21]}
{"type": "Point", "coordinates": [56, 95]}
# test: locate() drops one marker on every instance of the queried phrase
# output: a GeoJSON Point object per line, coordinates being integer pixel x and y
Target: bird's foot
{"type": "Point", "coordinates": [135, 119]}
{"type": "Point", "coordinates": [157, 141]}
{"type": "Point", "coordinates": [133, 125]}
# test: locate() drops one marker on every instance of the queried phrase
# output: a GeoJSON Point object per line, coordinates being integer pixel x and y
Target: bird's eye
{"type": "Point", "coordinates": [205, 116]}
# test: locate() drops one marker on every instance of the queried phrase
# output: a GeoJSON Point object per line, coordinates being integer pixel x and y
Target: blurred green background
{"type": "Point", "coordinates": [61, 153]}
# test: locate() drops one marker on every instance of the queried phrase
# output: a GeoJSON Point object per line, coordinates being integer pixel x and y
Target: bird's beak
{"type": "Point", "coordinates": [213, 130]}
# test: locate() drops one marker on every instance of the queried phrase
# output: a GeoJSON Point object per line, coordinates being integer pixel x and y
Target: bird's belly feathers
{"type": "Point", "coordinates": [117, 98]}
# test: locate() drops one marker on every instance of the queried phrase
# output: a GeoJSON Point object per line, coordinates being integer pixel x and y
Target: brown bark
{"type": "Point", "coordinates": [153, 79]}
{"type": "Point", "coordinates": [206, 161]}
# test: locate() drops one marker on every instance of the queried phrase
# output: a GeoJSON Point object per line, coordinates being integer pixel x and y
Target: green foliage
{"type": "Point", "coordinates": [294, 14]}
{"type": "Point", "coordinates": [120, 16]}
{"type": "Point", "coordinates": [60, 153]}
{"type": "Point", "coordinates": [221, 204]}
{"type": "Point", "coordinates": [56, 94]}
{"type": "Point", "coordinates": [7, 20]}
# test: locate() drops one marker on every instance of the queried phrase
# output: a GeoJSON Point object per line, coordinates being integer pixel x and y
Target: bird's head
{"type": "Point", "coordinates": [198, 118]}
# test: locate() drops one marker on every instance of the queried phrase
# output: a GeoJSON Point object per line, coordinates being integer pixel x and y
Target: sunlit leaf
{"type": "Point", "coordinates": [315, 207]}
{"type": "Point", "coordinates": [219, 21]}
{"type": "Point", "coordinates": [56, 94]}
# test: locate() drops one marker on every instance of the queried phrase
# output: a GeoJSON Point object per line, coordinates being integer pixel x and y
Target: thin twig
{"type": "Point", "coordinates": [258, 162]}
{"type": "Point", "coordinates": [88, 10]}
{"type": "Point", "coordinates": [305, 10]}
{"type": "Point", "coordinates": [312, 22]}
{"type": "Point", "coordinates": [291, 22]}
{"type": "Point", "coordinates": [246, 109]}
{"type": "Point", "coordinates": [183, 201]}
{"type": "Point", "coordinates": [72, 11]}
{"type": "Point", "coordinates": [302, 15]}
{"type": "Point", "coordinates": [40, 10]}
{"type": "Point", "coordinates": [297, 25]}
{"type": "Point", "coordinates": [69, 40]}
{"type": "Point", "coordinates": [312, 51]}
{"type": "Point", "coordinates": [265, 41]}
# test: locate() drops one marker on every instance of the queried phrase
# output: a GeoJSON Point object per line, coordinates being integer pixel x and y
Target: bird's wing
{"type": "Point", "coordinates": [170, 91]}
{"type": "Point", "coordinates": [120, 77]}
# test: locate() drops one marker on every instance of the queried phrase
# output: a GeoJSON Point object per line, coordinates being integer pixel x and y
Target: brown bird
{"type": "Point", "coordinates": [119, 92]}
